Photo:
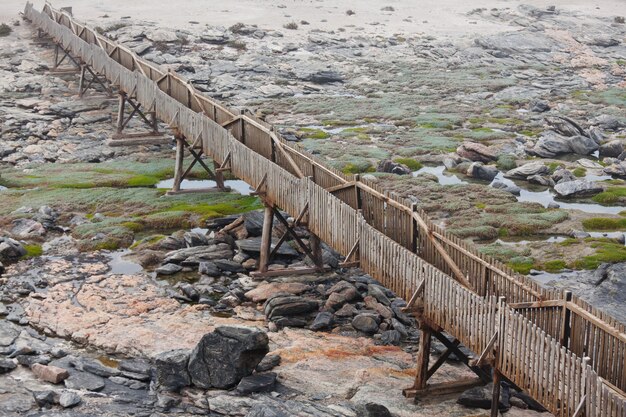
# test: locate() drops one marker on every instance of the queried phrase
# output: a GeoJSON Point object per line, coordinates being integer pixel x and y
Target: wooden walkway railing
{"type": "Point", "coordinates": [565, 353]}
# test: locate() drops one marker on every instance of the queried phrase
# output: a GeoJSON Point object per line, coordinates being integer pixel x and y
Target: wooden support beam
{"type": "Point", "coordinates": [225, 166]}
{"type": "Point", "coordinates": [415, 296]}
{"type": "Point", "coordinates": [266, 239]}
{"type": "Point", "coordinates": [341, 187]}
{"type": "Point", "coordinates": [483, 356]}
{"type": "Point", "coordinates": [423, 358]}
{"type": "Point", "coordinates": [536, 304]}
{"type": "Point", "coordinates": [463, 357]}
{"type": "Point", "coordinates": [293, 234]}
{"type": "Point", "coordinates": [353, 252]}
{"type": "Point", "coordinates": [180, 157]}
{"type": "Point", "coordinates": [441, 359]}
{"type": "Point", "coordinates": [284, 236]}
{"type": "Point", "coordinates": [457, 273]}
{"type": "Point", "coordinates": [495, 398]}
{"type": "Point", "coordinates": [442, 388]}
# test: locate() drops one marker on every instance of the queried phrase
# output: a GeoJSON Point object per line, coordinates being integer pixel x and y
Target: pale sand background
{"type": "Point", "coordinates": [444, 17]}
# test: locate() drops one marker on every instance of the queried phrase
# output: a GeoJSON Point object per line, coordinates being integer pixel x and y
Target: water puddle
{"type": "Point", "coordinates": [545, 277]}
{"type": "Point", "coordinates": [335, 130]}
{"type": "Point", "coordinates": [528, 193]}
{"type": "Point", "coordinates": [444, 178]}
{"type": "Point", "coordinates": [119, 265]}
{"type": "Point", "coordinates": [547, 196]}
{"type": "Point", "coordinates": [237, 185]}
{"type": "Point", "coordinates": [529, 240]}
{"type": "Point", "coordinates": [2, 188]}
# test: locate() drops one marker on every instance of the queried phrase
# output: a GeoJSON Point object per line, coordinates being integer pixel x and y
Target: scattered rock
{"type": "Point", "coordinates": [366, 322]}
{"type": "Point", "coordinates": [52, 374]}
{"type": "Point", "coordinates": [171, 370]}
{"type": "Point", "coordinates": [6, 366]}
{"type": "Point", "coordinates": [612, 149]}
{"type": "Point", "coordinates": [387, 165]}
{"type": "Point", "coordinates": [527, 170]}
{"type": "Point", "coordinates": [257, 383]}
{"type": "Point", "coordinates": [578, 188]}
{"type": "Point", "coordinates": [84, 381]}
{"type": "Point", "coordinates": [476, 152]}
{"type": "Point", "coordinates": [373, 410]}
{"type": "Point", "coordinates": [268, 362]}
{"type": "Point", "coordinates": [479, 171]}
{"type": "Point", "coordinates": [322, 321]}
{"type": "Point", "coordinates": [480, 397]}
{"type": "Point", "coordinates": [69, 399]}
{"type": "Point", "coordinates": [222, 358]}
{"type": "Point", "coordinates": [168, 269]}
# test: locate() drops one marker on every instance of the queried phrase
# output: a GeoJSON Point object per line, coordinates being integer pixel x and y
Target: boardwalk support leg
{"type": "Point", "coordinates": [86, 82]}
{"type": "Point", "coordinates": [153, 136]}
{"type": "Point", "coordinates": [495, 399]}
{"type": "Point", "coordinates": [180, 174]}
{"type": "Point", "coordinates": [266, 238]}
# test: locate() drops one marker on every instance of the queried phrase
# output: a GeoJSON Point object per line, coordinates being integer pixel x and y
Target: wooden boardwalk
{"type": "Point", "coordinates": [566, 354]}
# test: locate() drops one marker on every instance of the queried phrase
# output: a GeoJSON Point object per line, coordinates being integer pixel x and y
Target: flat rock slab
{"type": "Point", "coordinates": [257, 383]}
{"type": "Point", "coordinates": [265, 291]}
{"type": "Point", "coordinates": [84, 381]}
{"type": "Point", "coordinates": [52, 374]}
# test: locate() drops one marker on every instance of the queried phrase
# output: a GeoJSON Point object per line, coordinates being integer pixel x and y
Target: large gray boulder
{"type": "Point", "coordinates": [482, 172]}
{"type": "Point", "coordinates": [617, 170]}
{"type": "Point", "coordinates": [476, 152]}
{"type": "Point", "coordinates": [527, 170]}
{"type": "Point", "coordinates": [387, 165]}
{"type": "Point", "coordinates": [552, 144]}
{"type": "Point", "coordinates": [222, 358]}
{"type": "Point", "coordinates": [612, 148]}
{"type": "Point", "coordinates": [10, 249]}
{"type": "Point", "coordinates": [578, 188]}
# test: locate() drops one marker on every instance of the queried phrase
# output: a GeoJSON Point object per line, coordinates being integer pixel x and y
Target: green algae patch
{"type": "Point", "coordinates": [579, 172]}
{"type": "Point", "coordinates": [32, 251]}
{"type": "Point", "coordinates": [554, 265]}
{"type": "Point", "coordinates": [604, 224]}
{"type": "Point", "coordinates": [611, 195]}
{"type": "Point", "coordinates": [310, 133]}
{"type": "Point", "coordinates": [413, 164]}
{"type": "Point", "coordinates": [607, 250]}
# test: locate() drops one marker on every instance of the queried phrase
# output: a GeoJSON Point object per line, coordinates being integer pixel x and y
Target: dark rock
{"type": "Point", "coordinates": [564, 126]}
{"type": "Point", "coordinates": [30, 360]}
{"type": "Point", "coordinates": [324, 77]}
{"type": "Point", "coordinates": [44, 398]}
{"type": "Point", "coordinates": [479, 171]}
{"type": "Point", "coordinates": [228, 266]}
{"type": "Point", "coordinates": [171, 369]}
{"type": "Point", "coordinates": [608, 122]}
{"type": "Point", "coordinates": [612, 149]}
{"type": "Point", "coordinates": [366, 322]}
{"type": "Point", "coordinates": [172, 243]}
{"type": "Point", "coordinates": [168, 269]}
{"type": "Point", "coordinates": [563, 175]}
{"type": "Point", "coordinates": [335, 301]}
{"type": "Point", "coordinates": [528, 400]}
{"type": "Point", "coordinates": [222, 358]}
{"type": "Point", "coordinates": [617, 170]}
{"type": "Point", "coordinates": [578, 188]}
{"type": "Point", "coordinates": [69, 399]}
{"type": "Point", "coordinates": [6, 366]}
{"type": "Point", "coordinates": [391, 337]}
{"type": "Point", "coordinates": [268, 362]}
{"type": "Point", "coordinates": [480, 397]}
{"type": "Point", "coordinates": [373, 410]}
{"type": "Point", "coordinates": [10, 249]}
{"type": "Point", "coordinates": [539, 106]}
{"type": "Point", "coordinates": [513, 189]}
{"type": "Point", "coordinates": [136, 366]}
{"type": "Point", "coordinates": [387, 165]}
{"type": "Point", "coordinates": [323, 320]}
{"type": "Point", "coordinates": [195, 239]}
{"type": "Point", "coordinates": [95, 367]}
{"type": "Point", "coordinates": [209, 268]}
{"type": "Point", "coordinates": [582, 145]}
{"type": "Point", "coordinates": [8, 333]}
{"type": "Point", "coordinates": [253, 222]}
{"type": "Point", "coordinates": [288, 305]}
{"type": "Point", "coordinates": [253, 245]}
{"type": "Point", "coordinates": [83, 380]}
{"type": "Point", "coordinates": [257, 383]}
{"type": "Point", "coordinates": [378, 293]}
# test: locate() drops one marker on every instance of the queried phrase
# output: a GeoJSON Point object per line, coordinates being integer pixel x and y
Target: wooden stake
{"type": "Point", "coordinates": [266, 238]}
{"type": "Point", "coordinates": [219, 176]}
{"type": "Point", "coordinates": [120, 112]}
{"type": "Point", "coordinates": [180, 156]}
{"type": "Point", "coordinates": [495, 399]}
{"type": "Point", "coordinates": [423, 357]}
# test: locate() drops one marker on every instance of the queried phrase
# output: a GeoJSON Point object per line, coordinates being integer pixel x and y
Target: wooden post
{"type": "Point", "coordinates": [566, 318]}
{"type": "Point", "coordinates": [266, 238]}
{"type": "Point", "coordinates": [414, 229]}
{"type": "Point", "coordinates": [219, 176]}
{"type": "Point", "coordinates": [316, 250]}
{"type": "Point", "coordinates": [81, 82]}
{"type": "Point", "coordinates": [180, 156]}
{"type": "Point", "coordinates": [120, 112]}
{"type": "Point", "coordinates": [423, 357]}
{"type": "Point", "coordinates": [155, 122]}
{"type": "Point", "coordinates": [495, 399]}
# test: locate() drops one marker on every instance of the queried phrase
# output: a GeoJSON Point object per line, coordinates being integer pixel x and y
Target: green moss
{"type": "Point", "coordinates": [133, 226]}
{"type": "Point", "coordinates": [482, 129]}
{"type": "Point", "coordinates": [142, 181]}
{"type": "Point", "coordinates": [529, 132]}
{"type": "Point", "coordinates": [604, 224]}
{"type": "Point", "coordinates": [553, 166]}
{"type": "Point", "coordinates": [579, 172]}
{"type": "Point", "coordinates": [610, 196]}
{"type": "Point", "coordinates": [32, 251]}
{"type": "Point", "coordinates": [5, 30]}
{"type": "Point", "coordinates": [309, 133]}
{"type": "Point", "coordinates": [351, 168]}
{"type": "Point", "coordinates": [554, 266]}
{"type": "Point", "coordinates": [506, 162]}
{"type": "Point", "coordinates": [482, 206]}
{"type": "Point", "coordinates": [413, 164]}
{"type": "Point", "coordinates": [521, 264]}
{"type": "Point", "coordinates": [607, 250]}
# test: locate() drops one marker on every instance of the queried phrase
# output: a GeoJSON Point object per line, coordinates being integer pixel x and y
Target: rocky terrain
{"type": "Point", "coordinates": [115, 299]}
